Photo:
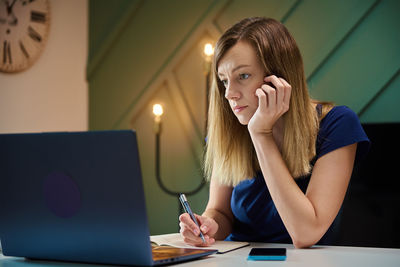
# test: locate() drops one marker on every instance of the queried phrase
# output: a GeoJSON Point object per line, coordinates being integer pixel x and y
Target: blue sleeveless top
{"type": "Point", "coordinates": [256, 218]}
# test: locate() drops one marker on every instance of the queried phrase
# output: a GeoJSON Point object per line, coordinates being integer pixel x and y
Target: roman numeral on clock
{"type": "Point", "coordinates": [23, 49]}
{"type": "Point", "coordinates": [37, 16]}
{"type": "Point", "coordinates": [34, 34]}
{"type": "Point", "coordinates": [7, 52]}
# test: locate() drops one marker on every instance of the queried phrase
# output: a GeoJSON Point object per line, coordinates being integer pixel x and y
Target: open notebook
{"type": "Point", "coordinates": [175, 240]}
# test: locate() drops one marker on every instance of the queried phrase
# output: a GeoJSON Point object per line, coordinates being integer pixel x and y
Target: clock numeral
{"type": "Point", "coordinates": [25, 2]}
{"type": "Point", "coordinates": [7, 53]}
{"type": "Point", "coordinates": [37, 16]}
{"type": "Point", "coordinates": [34, 34]}
{"type": "Point", "coordinates": [23, 49]}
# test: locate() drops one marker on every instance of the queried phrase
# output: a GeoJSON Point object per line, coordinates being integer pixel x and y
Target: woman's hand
{"type": "Point", "coordinates": [191, 232]}
{"type": "Point", "coordinates": [272, 104]}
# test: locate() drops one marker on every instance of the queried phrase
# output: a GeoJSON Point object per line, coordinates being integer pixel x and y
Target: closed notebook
{"type": "Point", "coordinates": [175, 240]}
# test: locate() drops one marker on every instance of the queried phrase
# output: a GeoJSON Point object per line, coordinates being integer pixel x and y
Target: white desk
{"type": "Point", "coordinates": [319, 256]}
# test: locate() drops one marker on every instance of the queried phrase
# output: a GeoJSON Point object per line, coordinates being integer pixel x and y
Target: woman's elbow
{"type": "Point", "coordinates": [305, 241]}
{"type": "Point", "coordinates": [297, 243]}
{"type": "Point", "coordinates": [308, 236]}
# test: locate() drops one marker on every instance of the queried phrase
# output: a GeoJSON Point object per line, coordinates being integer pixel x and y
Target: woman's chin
{"type": "Point", "coordinates": [243, 121]}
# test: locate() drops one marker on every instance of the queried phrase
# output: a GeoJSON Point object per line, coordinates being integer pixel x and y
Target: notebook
{"type": "Point", "coordinates": [176, 240]}
{"type": "Point", "coordinates": [77, 196]}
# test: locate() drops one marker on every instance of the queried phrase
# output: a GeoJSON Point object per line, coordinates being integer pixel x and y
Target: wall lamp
{"type": "Point", "coordinates": [158, 112]}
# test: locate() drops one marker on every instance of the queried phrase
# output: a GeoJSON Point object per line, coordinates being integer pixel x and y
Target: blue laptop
{"type": "Point", "coordinates": [77, 196]}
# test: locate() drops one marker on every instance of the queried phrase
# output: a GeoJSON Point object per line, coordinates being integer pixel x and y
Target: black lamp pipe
{"type": "Point", "coordinates": [157, 161]}
{"type": "Point", "coordinates": [161, 184]}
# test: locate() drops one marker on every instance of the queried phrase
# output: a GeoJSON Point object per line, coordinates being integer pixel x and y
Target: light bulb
{"type": "Point", "coordinates": [157, 110]}
{"type": "Point", "coordinates": [208, 50]}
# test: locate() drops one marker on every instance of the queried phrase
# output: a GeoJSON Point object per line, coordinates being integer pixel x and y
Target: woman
{"type": "Point", "coordinates": [279, 163]}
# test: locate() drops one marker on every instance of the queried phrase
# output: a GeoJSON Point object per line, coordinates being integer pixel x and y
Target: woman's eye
{"type": "Point", "coordinates": [244, 76]}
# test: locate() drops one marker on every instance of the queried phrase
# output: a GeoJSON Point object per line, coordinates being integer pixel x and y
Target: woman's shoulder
{"type": "Point", "coordinates": [340, 127]}
{"type": "Point", "coordinates": [341, 117]}
{"type": "Point", "coordinates": [340, 112]}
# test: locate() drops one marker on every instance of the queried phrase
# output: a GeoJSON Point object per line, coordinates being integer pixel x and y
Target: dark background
{"type": "Point", "coordinates": [370, 214]}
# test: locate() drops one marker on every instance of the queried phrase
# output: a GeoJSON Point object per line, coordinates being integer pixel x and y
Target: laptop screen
{"type": "Point", "coordinates": [73, 196]}
{"type": "Point", "coordinates": [77, 196]}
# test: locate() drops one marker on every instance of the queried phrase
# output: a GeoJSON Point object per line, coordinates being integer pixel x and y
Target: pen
{"type": "Point", "coordinates": [187, 209]}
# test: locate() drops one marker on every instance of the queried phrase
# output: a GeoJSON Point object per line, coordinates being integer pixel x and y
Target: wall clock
{"type": "Point", "coordinates": [24, 26]}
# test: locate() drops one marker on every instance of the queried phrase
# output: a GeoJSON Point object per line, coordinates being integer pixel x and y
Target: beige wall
{"type": "Point", "coordinates": [52, 95]}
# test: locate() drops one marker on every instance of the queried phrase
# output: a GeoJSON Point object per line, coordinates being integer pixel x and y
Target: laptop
{"type": "Point", "coordinates": [77, 196]}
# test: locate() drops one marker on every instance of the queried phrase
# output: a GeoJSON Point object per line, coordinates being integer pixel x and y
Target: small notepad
{"type": "Point", "coordinates": [175, 240]}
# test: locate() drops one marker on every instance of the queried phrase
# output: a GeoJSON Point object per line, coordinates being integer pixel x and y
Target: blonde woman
{"type": "Point", "coordinates": [279, 163]}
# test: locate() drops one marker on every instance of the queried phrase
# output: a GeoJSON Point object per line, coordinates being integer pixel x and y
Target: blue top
{"type": "Point", "coordinates": [255, 215]}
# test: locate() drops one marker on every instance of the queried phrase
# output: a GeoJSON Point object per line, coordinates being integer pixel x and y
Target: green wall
{"type": "Point", "coordinates": [142, 52]}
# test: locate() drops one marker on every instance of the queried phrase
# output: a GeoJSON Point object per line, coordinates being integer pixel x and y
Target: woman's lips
{"type": "Point", "coordinates": [238, 109]}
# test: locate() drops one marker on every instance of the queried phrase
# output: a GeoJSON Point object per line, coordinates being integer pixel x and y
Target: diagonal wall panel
{"type": "Point", "coordinates": [239, 9]}
{"type": "Point", "coordinates": [140, 52]}
{"type": "Point", "coordinates": [190, 75]}
{"type": "Point", "coordinates": [386, 104]}
{"type": "Point", "coordinates": [318, 26]}
{"type": "Point", "coordinates": [363, 64]}
{"type": "Point", "coordinates": [157, 58]}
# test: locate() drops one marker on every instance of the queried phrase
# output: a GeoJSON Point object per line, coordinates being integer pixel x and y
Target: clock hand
{"type": "Point", "coordinates": [10, 8]}
{"type": "Point", "coordinates": [11, 13]}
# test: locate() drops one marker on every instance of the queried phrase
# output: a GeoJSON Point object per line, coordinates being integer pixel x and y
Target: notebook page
{"type": "Point", "coordinates": [176, 240]}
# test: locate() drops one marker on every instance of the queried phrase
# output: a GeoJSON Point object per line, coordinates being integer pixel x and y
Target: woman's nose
{"type": "Point", "coordinates": [231, 92]}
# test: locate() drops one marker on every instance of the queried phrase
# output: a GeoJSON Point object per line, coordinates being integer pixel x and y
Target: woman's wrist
{"type": "Point", "coordinates": [260, 133]}
{"type": "Point", "coordinates": [224, 223]}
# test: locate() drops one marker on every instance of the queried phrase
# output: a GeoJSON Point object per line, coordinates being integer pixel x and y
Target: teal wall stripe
{"type": "Point", "coordinates": [378, 93]}
{"type": "Point", "coordinates": [221, 11]}
{"type": "Point", "coordinates": [345, 37]}
{"type": "Point", "coordinates": [112, 39]}
{"type": "Point", "coordinates": [290, 11]}
{"type": "Point", "coordinates": [163, 66]}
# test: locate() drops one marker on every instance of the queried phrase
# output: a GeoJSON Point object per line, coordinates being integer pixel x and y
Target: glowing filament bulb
{"type": "Point", "coordinates": [208, 50]}
{"type": "Point", "coordinates": [158, 110]}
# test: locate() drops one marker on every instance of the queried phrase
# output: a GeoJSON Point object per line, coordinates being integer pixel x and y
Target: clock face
{"type": "Point", "coordinates": [24, 26]}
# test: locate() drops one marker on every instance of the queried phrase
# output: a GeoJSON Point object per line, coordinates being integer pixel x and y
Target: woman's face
{"type": "Point", "coordinates": [241, 73]}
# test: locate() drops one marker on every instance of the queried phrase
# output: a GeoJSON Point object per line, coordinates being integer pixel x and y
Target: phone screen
{"type": "Point", "coordinates": [277, 254]}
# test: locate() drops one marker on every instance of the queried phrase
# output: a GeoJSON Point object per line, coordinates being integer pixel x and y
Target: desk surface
{"type": "Point", "coordinates": [326, 256]}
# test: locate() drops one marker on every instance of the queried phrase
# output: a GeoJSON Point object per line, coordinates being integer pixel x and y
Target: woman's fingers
{"type": "Point", "coordinates": [190, 232]}
{"type": "Point", "coordinates": [189, 237]}
{"type": "Point", "coordinates": [185, 218]}
{"type": "Point", "coordinates": [288, 92]}
{"type": "Point", "coordinates": [271, 96]}
{"type": "Point", "coordinates": [262, 99]}
{"type": "Point", "coordinates": [283, 92]}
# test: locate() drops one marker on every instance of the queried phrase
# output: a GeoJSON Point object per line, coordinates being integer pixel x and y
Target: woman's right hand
{"type": "Point", "coordinates": [190, 232]}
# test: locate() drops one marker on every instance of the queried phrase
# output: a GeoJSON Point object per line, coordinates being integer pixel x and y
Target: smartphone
{"type": "Point", "coordinates": [267, 254]}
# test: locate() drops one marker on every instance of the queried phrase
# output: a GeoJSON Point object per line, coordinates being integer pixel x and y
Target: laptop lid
{"type": "Point", "coordinates": [75, 196]}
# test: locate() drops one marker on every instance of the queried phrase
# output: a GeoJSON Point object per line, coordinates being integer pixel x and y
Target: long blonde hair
{"type": "Point", "coordinates": [230, 156]}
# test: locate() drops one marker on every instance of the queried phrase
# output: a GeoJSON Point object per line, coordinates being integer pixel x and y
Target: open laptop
{"type": "Point", "coordinates": [77, 196]}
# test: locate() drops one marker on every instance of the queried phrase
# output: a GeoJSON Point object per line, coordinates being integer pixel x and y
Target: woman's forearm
{"type": "Point", "coordinates": [295, 209]}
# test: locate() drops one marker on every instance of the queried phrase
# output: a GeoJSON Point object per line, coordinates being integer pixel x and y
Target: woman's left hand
{"type": "Point", "coordinates": [272, 104]}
